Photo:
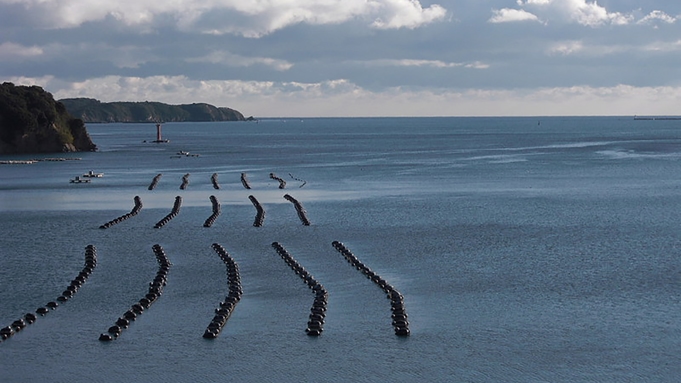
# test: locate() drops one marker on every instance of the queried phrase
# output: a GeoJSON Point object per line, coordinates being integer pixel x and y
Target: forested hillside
{"type": "Point", "coordinates": [92, 110]}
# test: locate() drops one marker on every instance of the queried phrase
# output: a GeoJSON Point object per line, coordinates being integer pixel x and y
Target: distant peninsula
{"type": "Point", "coordinates": [92, 110]}
{"type": "Point", "coordinates": [31, 121]}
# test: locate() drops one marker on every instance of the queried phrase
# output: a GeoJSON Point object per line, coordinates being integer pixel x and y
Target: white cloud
{"type": "Point", "coordinates": [655, 16]}
{"type": "Point", "coordinates": [663, 46]}
{"type": "Point", "coordinates": [540, 2]}
{"type": "Point", "coordinates": [424, 63]}
{"type": "Point", "coordinates": [580, 11]}
{"type": "Point", "coordinates": [233, 60]}
{"type": "Point", "coordinates": [343, 98]}
{"type": "Point", "coordinates": [477, 65]}
{"type": "Point", "coordinates": [14, 52]}
{"type": "Point", "coordinates": [120, 56]}
{"type": "Point", "coordinates": [249, 18]}
{"type": "Point", "coordinates": [407, 14]}
{"type": "Point", "coordinates": [506, 15]}
{"type": "Point", "coordinates": [574, 47]}
{"type": "Point", "coordinates": [565, 48]}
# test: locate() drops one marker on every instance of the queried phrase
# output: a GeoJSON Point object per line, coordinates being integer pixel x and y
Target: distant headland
{"type": "Point", "coordinates": [31, 121]}
{"type": "Point", "coordinates": [92, 110]}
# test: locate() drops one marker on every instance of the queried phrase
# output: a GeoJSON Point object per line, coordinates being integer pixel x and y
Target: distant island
{"type": "Point", "coordinates": [31, 121]}
{"type": "Point", "coordinates": [92, 110]}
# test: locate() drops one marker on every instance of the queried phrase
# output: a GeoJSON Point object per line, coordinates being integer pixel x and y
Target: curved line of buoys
{"type": "Point", "coordinates": [71, 289]}
{"type": "Point", "coordinates": [302, 214]}
{"type": "Point", "coordinates": [399, 314]}
{"type": "Point", "coordinates": [174, 212]}
{"type": "Point", "coordinates": [260, 212]}
{"type": "Point", "coordinates": [244, 181]}
{"type": "Point", "coordinates": [298, 179]}
{"type": "Point", "coordinates": [315, 324]}
{"type": "Point", "coordinates": [136, 209]}
{"type": "Point", "coordinates": [224, 311]}
{"type": "Point", "coordinates": [214, 181]}
{"type": "Point", "coordinates": [185, 181]}
{"type": "Point", "coordinates": [155, 291]}
{"type": "Point", "coordinates": [282, 183]}
{"type": "Point", "coordinates": [154, 182]}
{"type": "Point", "coordinates": [216, 212]}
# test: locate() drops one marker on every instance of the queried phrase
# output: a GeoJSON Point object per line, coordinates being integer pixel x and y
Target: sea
{"type": "Point", "coordinates": [527, 249]}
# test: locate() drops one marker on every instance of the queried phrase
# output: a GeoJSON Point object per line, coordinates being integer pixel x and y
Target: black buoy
{"type": "Point", "coordinates": [30, 318]}
{"type": "Point", "coordinates": [104, 337]}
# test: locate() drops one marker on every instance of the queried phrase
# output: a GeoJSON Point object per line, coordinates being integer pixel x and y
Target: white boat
{"type": "Point", "coordinates": [79, 180]}
{"type": "Point", "coordinates": [92, 174]}
{"type": "Point", "coordinates": [184, 153]}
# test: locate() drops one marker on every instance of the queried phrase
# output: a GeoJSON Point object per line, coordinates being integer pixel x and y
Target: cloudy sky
{"type": "Point", "coordinates": [270, 58]}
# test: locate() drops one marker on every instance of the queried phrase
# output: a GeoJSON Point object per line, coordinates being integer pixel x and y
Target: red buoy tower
{"type": "Point", "coordinates": [159, 139]}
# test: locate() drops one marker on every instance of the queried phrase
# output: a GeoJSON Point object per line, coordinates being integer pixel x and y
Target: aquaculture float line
{"type": "Point", "coordinates": [33, 161]}
{"type": "Point", "coordinates": [173, 213]}
{"type": "Point", "coordinates": [244, 181]}
{"type": "Point", "coordinates": [155, 291]}
{"type": "Point", "coordinates": [282, 183]}
{"type": "Point", "coordinates": [185, 181]}
{"type": "Point", "coordinates": [29, 318]}
{"type": "Point", "coordinates": [302, 214]}
{"type": "Point", "coordinates": [399, 313]}
{"type": "Point", "coordinates": [216, 212]}
{"type": "Point", "coordinates": [315, 324]}
{"type": "Point", "coordinates": [214, 181]}
{"type": "Point", "coordinates": [226, 307]}
{"type": "Point", "coordinates": [260, 212]}
{"type": "Point", "coordinates": [154, 182]}
{"type": "Point", "coordinates": [298, 179]}
{"type": "Point", "coordinates": [136, 209]}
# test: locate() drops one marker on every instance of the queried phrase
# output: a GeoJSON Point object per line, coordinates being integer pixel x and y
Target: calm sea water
{"type": "Point", "coordinates": [527, 250]}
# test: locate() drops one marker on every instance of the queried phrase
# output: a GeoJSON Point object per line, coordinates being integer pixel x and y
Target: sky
{"type": "Point", "coordinates": [338, 58]}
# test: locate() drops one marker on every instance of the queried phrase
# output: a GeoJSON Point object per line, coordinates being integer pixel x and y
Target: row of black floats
{"type": "Point", "coordinates": [154, 292]}
{"type": "Point", "coordinates": [302, 214]}
{"type": "Point", "coordinates": [224, 311]}
{"type": "Point", "coordinates": [315, 324]}
{"type": "Point", "coordinates": [136, 209]}
{"type": "Point", "coordinates": [214, 181]}
{"type": "Point", "coordinates": [282, 183]}
{"type": "Point", "coordinates": [71, 289]}
{"type": "Point", "coordinates": [185, 181]}
{"type": "Point", "coordinates": [244, 181]}
{"type": "Point", "coordinates": [216, 212]}
{"type": "Point", "coordinates": [216, 185]}
{"type": "Point", "coordinates": [399, 314]}
{"type": "Point", "coordinates": [260, 212]}
{"type": "Point", "coordinates": [298, 179]}
{"type": "Point", "coordinates": [174, 212]}
{"type": "Point", "coordinates": [154, 182]}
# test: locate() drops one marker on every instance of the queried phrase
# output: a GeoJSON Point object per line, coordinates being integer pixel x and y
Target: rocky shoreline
{"type": "Point", "coordinates": [31, 121]}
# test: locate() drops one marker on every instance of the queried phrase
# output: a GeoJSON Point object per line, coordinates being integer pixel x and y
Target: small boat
{"type": "Point", "coordinates": [79, 180]}
{"type": "Point", "coordinates": [185, 154]}
{"type": "Point", "coordinates": [92, 174]}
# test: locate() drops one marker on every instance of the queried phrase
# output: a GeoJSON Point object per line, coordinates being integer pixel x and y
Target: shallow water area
{"type": "Point", "coordinates": [525, 252]}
